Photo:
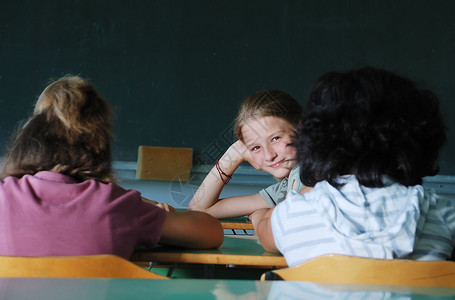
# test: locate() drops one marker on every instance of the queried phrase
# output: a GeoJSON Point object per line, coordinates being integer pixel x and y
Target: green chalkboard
{"type": "Point", "coordinates": [177, 70]}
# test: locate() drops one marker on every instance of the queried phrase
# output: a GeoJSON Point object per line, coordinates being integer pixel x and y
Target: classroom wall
{"type": "Point", "coordinates": [176, 71]}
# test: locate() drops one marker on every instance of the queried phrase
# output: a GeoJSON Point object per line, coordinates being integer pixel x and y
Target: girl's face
{"type": "Point", "coordinates": [269, 141]}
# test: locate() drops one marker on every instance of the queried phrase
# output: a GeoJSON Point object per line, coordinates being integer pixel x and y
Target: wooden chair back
{"type": "Point", "coordinates": [91, 266]}
{"type": "Point", "coordinates": [343, 269]}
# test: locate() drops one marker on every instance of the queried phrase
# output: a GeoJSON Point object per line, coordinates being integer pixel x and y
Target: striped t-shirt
{"type": "Point", "coordinates": [394, 221]}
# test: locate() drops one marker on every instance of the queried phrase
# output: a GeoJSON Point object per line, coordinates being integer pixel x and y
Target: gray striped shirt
{"type": "Point", "coordinates": [390, 222]}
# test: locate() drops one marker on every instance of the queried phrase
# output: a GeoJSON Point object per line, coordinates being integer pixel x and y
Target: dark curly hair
{"type": "Point", "coordinates": [369, 123]}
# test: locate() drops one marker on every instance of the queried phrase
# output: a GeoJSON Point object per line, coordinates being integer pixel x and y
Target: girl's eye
{"type": "Point", "coordinates": [276, 138]}
{"type": "Point", "coordinates": [255, 148]}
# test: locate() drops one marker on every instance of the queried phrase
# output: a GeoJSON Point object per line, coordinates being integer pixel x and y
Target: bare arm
{"type": "Point", "coordinates": [207, 195]}
{"type": "Point", "coordinates": [262, 223]}
{"type": "Point", "coordinates": [261, 220]}
{"type": "Point", "coordinates": [192, 230]}
{"type": "Point", "coordinates": [237, 206]}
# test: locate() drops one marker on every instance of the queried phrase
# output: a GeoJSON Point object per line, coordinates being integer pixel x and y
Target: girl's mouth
{"type": "Point", "coordinates": [277, 165]}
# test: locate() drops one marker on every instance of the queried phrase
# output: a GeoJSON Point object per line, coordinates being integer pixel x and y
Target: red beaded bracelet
{"type": "Point", "coordinates": [225, 181]}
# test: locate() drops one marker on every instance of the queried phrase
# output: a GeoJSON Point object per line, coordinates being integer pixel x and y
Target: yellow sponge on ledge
{"type": "Point", "coordinates": [164, 163]}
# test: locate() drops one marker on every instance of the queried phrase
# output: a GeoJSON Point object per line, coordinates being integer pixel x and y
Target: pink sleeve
{"type": "Point", "coordinates": [151, 220]}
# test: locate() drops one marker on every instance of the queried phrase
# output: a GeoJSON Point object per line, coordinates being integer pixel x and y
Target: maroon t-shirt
{"type": "Point", "coordinates": [51, 214]}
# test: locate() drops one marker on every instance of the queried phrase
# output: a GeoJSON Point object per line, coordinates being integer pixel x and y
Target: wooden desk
{"type": "Point", "coordinates": [200, 289]}
{"type": "Point", "coordinates": [242, 223]}
{"type": "Point", "coordinates": [237, 223]}
{"type": "Point", "coordinates": [235, 250]}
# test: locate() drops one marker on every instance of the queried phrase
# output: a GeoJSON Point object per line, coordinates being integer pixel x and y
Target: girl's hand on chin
{"type": "Point", "coordinates": [242, 150]}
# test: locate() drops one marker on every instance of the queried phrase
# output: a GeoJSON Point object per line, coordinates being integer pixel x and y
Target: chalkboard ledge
{"type": "Point", "coordinates": [244, 174]}
{"type": "Point", "coordinates": [247, 175]}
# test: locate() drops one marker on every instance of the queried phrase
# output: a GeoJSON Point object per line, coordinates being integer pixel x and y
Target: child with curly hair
{"type": "Point", "coordinates": [368, 138]}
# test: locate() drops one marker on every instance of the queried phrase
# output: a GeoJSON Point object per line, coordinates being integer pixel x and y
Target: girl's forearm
{"type": "Point", "coordinates": [210, 189]}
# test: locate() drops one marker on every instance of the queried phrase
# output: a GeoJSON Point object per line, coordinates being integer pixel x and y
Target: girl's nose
{"type": "Point", "coordinates": [269, 153]}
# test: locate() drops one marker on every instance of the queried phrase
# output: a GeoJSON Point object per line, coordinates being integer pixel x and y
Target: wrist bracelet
{"type": "Point", "coordinates": [225, 181]}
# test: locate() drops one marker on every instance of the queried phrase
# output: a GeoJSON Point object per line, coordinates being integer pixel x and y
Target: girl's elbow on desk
{"type": "Point", "coordinates": [195, 209]}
